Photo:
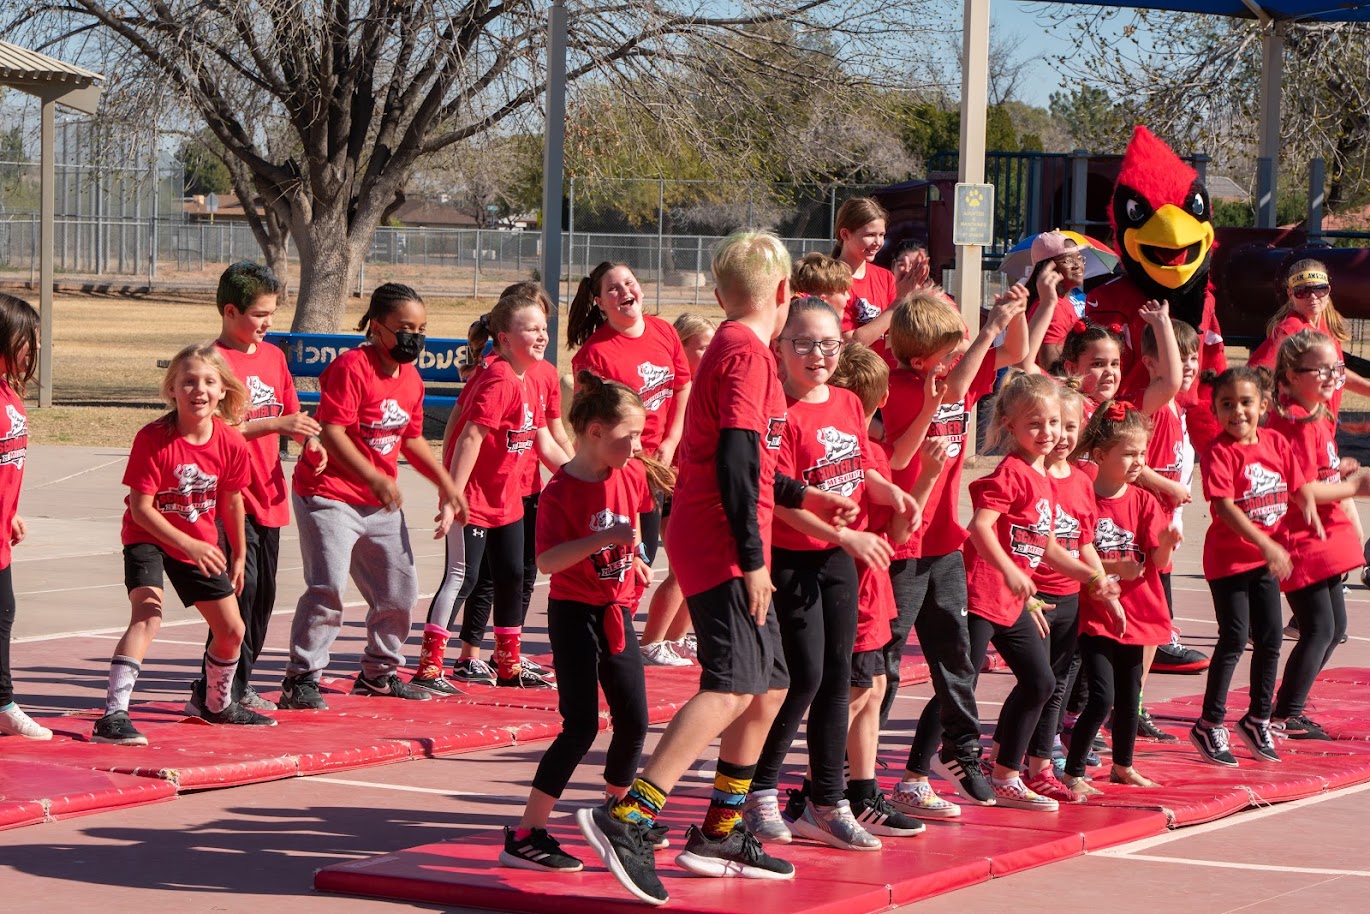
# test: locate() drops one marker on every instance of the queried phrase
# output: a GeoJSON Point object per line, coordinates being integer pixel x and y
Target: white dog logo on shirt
{"type": "Point", "coordinates": [656, 385]}
{"type": "Point", "coordinates": [14, 444]}
{"type": "Point", "coordinates": [1266, 498]}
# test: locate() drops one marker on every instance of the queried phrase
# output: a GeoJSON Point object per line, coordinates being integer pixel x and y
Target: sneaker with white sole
{"type": "Point", "coordinates": [538, 851]}
{"type": "Point", "coordinates": [917, 798]}
{"type": "Point", "coordinates": [439, 685]}
{"type": "Point", "coordinates": [687, 647]}
{"type": "Point", "coordinates": [739, 855]}
{"type": "Point", "coordinates": [526, 679]}
{"type": "Point", "coordinates": [254, 702]}
{"type": "Point", "coordinates": [388, 686]}
{"type": "Point", "coordinates": [14, 722]}
{"type": "Point", "coordinates": [662, 653]}
{"type": "Point", "coordinates": [877, 815]}
{"type": "Point", "coordinates": [836, 827]}
{"type": "Point", "coordinates": [533, 666]}
{"type": "Point", "coordinates": [1213, 743]}
{"type": "Point", "coordinates": [1014, 794]}
{"type": "Point", "coordinates": [1147, 728]}
{"type": "Point", "coordinates": [238, 716]}
{"type": "Point", "coordinates": [964, 773]}
{"type": "Point", "coordinates": [1256, 735]}
{"type": "Point", "coordinates": [1299, 726]}
{"type": "Point", "coordinates": [300, 693]}
{"type": "Point", "coordinates": [761, 815]}
{"type": "Point", "coordinates": [117, 729]}
{"type": "Point", "coordinates": [626, 849]}
{"type": "Point", "coordinates": [473, 669]}
{"type": "Point", "coordinates": [1047, 784]}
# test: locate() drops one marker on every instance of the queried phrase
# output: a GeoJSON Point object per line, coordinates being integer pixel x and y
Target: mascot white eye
{"type": "Point", "coordinates": [1134, 211]}
{"type": "Point", "coordinates": [1197, 204]}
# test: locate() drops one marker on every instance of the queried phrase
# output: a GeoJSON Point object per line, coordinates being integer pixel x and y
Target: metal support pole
{"type": "Point", "coordinates": [1272, 73]}
{"type": "Point", "coordinates": [553, 167]}
{"type": "Point", "coordinates": [974, 104]}
{"type": "Point", "coordinates": [1317, 182]}
{"type": "Point", "coordinates": [1079, 191]}
{"type": "Point", "coordinates": [660, 239]}
{"type": "Point", "coordinates": [47, 204]}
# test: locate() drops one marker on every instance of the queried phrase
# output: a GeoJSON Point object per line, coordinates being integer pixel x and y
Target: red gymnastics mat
{"type": "Point", "coordinates": [41, 792]}
{"type": "Point", "coordinates": [465, 871]}
{"type": "Point", "coordinates": [1339, 701]}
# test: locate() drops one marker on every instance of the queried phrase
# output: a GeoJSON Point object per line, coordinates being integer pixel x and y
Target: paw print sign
{"type": "Point", "coordinates": [973, 215]}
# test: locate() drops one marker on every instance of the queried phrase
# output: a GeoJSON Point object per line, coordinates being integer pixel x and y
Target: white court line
{"type": "Point", "coordinates": [1262, 867]}
{"type": "Point", "coordinates": [53, 482]}
{"type": "Point", "coordinates": [1214, 622]}
{"type": "Point", "coordinates": [405, 788]}
{"type": "Point", "coordinates": [158, 640]}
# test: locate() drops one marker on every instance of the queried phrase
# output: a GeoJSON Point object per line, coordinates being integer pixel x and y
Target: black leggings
{"type": "Point", "coordinates": [580, 652]}
{"type": "Point", "coordinates": [482, 598]}
{"type": "Point", "coordinates": [1114, 672]}
{"type": "Point", "coordinates": [1027, 655]}
{"type": "Point", "coordinates": [815, 603]}
{"type": "Point", "coordinates": [1245, 604]}
{"type": "Point", "coordinates": [503, 548]}
{"type": "Point", "coordinates": [1320, 610]}
{"type": "Point", "coordinates": [1061, 643]}
{"type": "Point", "coordinates": [256, 603]}
{"type": "Point", "coordinates": [651, 528]}
{"type": "Point", "coordinates": [7, 609]}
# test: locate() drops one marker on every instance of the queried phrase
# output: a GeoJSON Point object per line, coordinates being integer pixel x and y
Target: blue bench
{"type": "Point", "coordinates": [308, 354]}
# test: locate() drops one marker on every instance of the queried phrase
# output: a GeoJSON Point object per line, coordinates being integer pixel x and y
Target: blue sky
{"type": "Point", "coordinates": [1018, 17]}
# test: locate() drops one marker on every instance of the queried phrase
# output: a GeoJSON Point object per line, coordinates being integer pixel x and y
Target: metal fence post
{"type": "Point", "coordinates": [475, 269]}
{"type": "Point", "coordinates": [660, 239]}
{"type": "Point", "coordinates": [1317, 173]}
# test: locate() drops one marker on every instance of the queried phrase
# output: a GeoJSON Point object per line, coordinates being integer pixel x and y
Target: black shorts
{"type": "Point", "coordinates": [865, 666]}
{"type": "Point", "coordinates": [738, 656]}
{"type": "Point", "coordinates": [144, 564]}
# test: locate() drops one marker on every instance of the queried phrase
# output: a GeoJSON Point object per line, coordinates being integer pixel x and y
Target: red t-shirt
{"type": "Point", "coordinates": [505, 404]}
{"type": "Point", "coordinates": [1063, 318]}
{"type": "Point", "coordinates": [1026, 505]}
{"type": "Point", "coordinates": [1265, 353]}
{"type": "Point", "coordinates": [272, 393]}
{"type": "Point", "coordinates": [377, 413]}
{"type": "Point", "coordinates": [1130, 527]}
{"type": "Point", "coordinates": [824, 446]}
{"type": "Point", "coordinates": [1314, 445]}
{"type": "Point", "coordinates": [1258, 478]}
{"type": "Point", "coordinates": [652, 364]}
{"type": "Point", "coordinates": [14, 445]}
{"type": "Point", "coordinates": [545, 385]}
{"type": "Point", "coordinates": [941, 528]}
{"type": "Point", "coordinates": [1074, 527]}
{"type": "Point", "coordinates": [738, 388]}
{"type": "Point", "coordinates": [871, 295]}
{"type": "Point", "coordinates": [186, 480]}
{"type": "Point", "coordinates": [1165, 450]}
{"type": "Point", "coordinates": [572, 509]}
{"type": "Point", "coordinates": [875, 606]}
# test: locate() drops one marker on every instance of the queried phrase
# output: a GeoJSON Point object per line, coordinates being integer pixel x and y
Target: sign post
{"type": "Point", "coordinates": [973, 215]}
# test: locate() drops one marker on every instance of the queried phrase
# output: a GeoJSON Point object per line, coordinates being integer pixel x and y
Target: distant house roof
{"type": "Point", "coordinates": [196, 209]}
{"type": "Point", "coordinates": [1224, 188]}
{"type": "Point", "coordinates": [433, 213]}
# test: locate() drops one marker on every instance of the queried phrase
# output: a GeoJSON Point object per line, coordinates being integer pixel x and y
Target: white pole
{"type": "Point", "coordinates": [47, 206]}
{"type": "Point", "coordinates": [553, 167]}
{"type": "Point", "coordinates": [1272, 74]}
{"type": "Point", "coordinates": [974, 100]}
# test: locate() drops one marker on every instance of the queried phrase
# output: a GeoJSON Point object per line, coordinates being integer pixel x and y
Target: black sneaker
{"type": "Point", "coordinates": [1300, 727]}
{"type": "Point", "coordinates": [1256, 735]}
{"type": "Point", "coordinates": [195, 704]}
{"type": "Point", "coordinates": [300, 693]}
{"type": "Point", "coordinates": [657, 836]}
{"type": "Point", "coordinates": [738, 855]}
{"type": "Point", "coordinates": [435, 685]}
{"type": "Point", "coordinates": [626, 849]}
{"type": "Point", "coordinates": [1176, 658]}
{"type": "Point", "coordinates": [1147, 727]}
{"type": "Point", "coordinates": [117, 729]}
{"type": "Point", "coordinates": [473, 669]}
{"type": "Point", "coordinates": [1213, 744]}
{"type": "Point", "coordinates": [796, 804]}
{"type": "Point", "coordinates": [526, 679]}
{"type": "Point", "coordinates": [533, 666]}
{"type": "Point", "coordinates": [963, 772]}
{"type": "Point", "coordinates": [236, 714]}
{"type": "Point", "coordinates": [388, 686]}
{"type": "Point", "coordinates": [1291, 630]}
{"type": "Point", "coordinates": [539, 851]}
{"type": "Point", "coordinates": [879, 817]}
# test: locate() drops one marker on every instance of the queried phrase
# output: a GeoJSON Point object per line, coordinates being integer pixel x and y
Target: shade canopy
{"type": "Point", "coordinates": [1278, 10]}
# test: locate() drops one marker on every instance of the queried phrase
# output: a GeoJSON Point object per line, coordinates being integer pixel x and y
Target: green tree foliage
{"type": "Point", "coordinates": [202, 171]}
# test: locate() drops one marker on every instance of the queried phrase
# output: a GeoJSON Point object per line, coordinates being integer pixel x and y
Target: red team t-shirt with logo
{"type": "Point", "coordinates": [185, 481]}
{"type": "Point", "coordinates": [545, 385]}
{"type": "Point", "coordinates": [572, 509]}
{"type": "Point", "coordinates": [1129, 527]}
{"type": "Point", "coordinates": [1265, 353]}
{"type": "Point", "coordinates": [824, 446]}
{"type": "Point", "coordinates": [14, 445]}
{"type": "Point", "coordinates": [1314, 445]}
{"type": "Point", "coordinates": [941, 530]}
{"type": "Point", "coordinates": [271, 393]}
{"type": "Point", "coordinates": [652, 364]}
{"type": "Point", "coordinates": [1074, 528]}
{"type": "Point", "coordinates": [377, 414]}
{"type": "Point", "coordinates": [1026, 505]}
{"type": "Point", "coordinates": [875, 606]}
{"type": "Point", "coordinates": [738, 388]}
{"type": "Point", "coordinates": [1258, 478]}
{"type": "Point", "coordinates": [871, 295]}
{"type": "Point", "coordinates": [505, 404]}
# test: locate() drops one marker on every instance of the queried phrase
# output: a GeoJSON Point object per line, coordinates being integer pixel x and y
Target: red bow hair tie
{"type": "Point", "coordinates": [1115, 329]}
{"type": "Point", "coordinates": [1079, 327]}
{"type": "Point", "coordinates": [1117, 410]}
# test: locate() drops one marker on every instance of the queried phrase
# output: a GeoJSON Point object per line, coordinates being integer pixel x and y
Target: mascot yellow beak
{"type": "Point", "coordinates": [1170, 246]}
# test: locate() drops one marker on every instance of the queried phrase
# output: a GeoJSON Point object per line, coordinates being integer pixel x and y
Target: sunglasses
{"type": "Point", "coordinates": [1310, 291]}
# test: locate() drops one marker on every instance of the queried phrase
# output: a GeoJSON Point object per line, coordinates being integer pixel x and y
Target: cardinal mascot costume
{"type": "Point", "coordinates": [1163, 233]}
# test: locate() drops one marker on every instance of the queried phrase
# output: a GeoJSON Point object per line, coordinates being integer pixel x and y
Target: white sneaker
{"type": "Point", "coordinates": [836, 827]}
{"type": "Point", "coordinates": [687, 647]}
{"type": "Point", "coordinates": [662, 653]}
{"type": "Point", "coordinates": [15, 722]}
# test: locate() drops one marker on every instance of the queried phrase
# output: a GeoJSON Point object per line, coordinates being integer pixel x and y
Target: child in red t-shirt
{"type": "Point", "coordinates": [18, 348]}
{"type": "Point", "coordinates": [1306, 381]}
{"type": "Point", "coordinates": [1094, 354]}
{"type": "Point", "coordinates": [1134, 538]}
{"type": "Point", "coordinates": [1012, 533]}
{"type": "Point", "coordinates": [720, 528]}
{"type": "Point", "coordinates": [928, 573]}
{"type": "Point", "coordinates": [1250, 479]}
{"type": "Point", "coordinates": [860, 224]}
{"type": "Point", "coordinates": [348, 512]}
{"type": "Point", "coordinates": [588, 540]}
{"type": "Point", "coordinates": [183, 469]}
{"type": "Point", "coordinates": [247, 298]}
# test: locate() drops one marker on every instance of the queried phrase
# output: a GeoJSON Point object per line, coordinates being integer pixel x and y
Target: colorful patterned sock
{"type": "Point", "coordinates": [123, 675]}
{"type": "Point", "coordinates": [433, 652]}
{"type": "Point", "coordinates": [731, 784]}
{"type": "Point", "coordinates": [219, 682]}
{"type": "Point", "coordinates": [507, 641]}
{"type": "Point", "coordinates": [642, 803]}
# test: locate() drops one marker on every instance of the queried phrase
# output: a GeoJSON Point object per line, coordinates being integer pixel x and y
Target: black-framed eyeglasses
{"type": "Point", "coordinates": [1326, 373]}
{"type": "Point", "coordinates": [803, 345]}
{"type": "Point", "coordinates": [1310, 291]}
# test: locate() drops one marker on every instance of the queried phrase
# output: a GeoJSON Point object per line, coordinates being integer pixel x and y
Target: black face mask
{"type": "Point", "coordinates": [408, 346]}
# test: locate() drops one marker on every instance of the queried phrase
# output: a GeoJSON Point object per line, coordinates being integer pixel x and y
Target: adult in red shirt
{"type": "Point", "coordinates": [860, 225]}
{"type": "Point", "coordinates": [1058, 271]}
{"type": "Point", "coordinates": [348, 511]}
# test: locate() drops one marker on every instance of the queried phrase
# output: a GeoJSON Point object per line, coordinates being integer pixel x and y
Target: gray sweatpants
{"type": "Point", "coordinates": [371, 544]}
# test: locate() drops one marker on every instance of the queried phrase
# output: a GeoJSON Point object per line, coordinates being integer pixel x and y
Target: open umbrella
{"type": "Point", "coordinates": [1099, 259]}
